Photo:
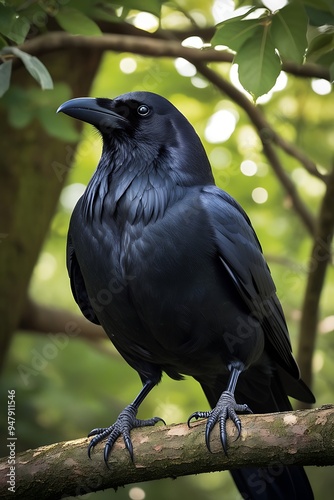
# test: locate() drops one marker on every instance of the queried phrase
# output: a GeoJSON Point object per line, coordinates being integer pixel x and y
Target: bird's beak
{"type": "Point", "coordinates": [88, 110]}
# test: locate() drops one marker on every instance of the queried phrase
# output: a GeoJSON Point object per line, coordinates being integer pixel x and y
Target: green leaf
{"type": "Point", "coordinates": [35, 67]}
{"type": "Point", "coordinates": [7, 17]}
{"type": "Point", "coordinates": [17, 101]}
{"type": "Point", "coordinates": [19, 119]}
{"type": "Point", "coordinates": [19, 29]}
{"type": "Point", "coordinates": [84, 6]}
{"type": "Point", "coordinates": [38, 71]}
{"type": "Point", "coordinates": [101, 13]}
{"type": "Point", "coordinates": [320, 45]}
{"type": "Point", "coordinates": [24, 105]}
{"type": "Point", "coordinates": [288, 32]}
{"type": "Point", "coordinates": [326, 5]}
{"type": "Point", "coordinates": [12, 25]}
{"type": "Point", "coordinates": [58, 126]}
{"type": "Point", "coordinates": [77, 23]}
{"type": "Point", "coordinates": [234, 34]}
{"type": "Point", "coordinates": [259, 64]}
{"type": "Point", "coordinates": [320, 12]}
{"type": "Point", "coordinates": [5, 74]}
{"type": "Point", "coordinates": [152, 6]}
{"type": "Point", "coordinates": [326, 60]}
{"type": "Point", "coordinates": [242, 3]}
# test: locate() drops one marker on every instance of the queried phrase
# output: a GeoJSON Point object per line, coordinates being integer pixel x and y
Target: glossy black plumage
{"type": "Point", "coordinates": [172, 269]}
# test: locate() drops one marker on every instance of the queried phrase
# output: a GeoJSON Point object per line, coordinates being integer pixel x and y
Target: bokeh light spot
{"type": "Point", "coordinates": [137, 493]}
{"type": "Point", "coordinates": [321, 86]}
{"type": "Point", "coordinates": [248, 167]}
{"type": "Point", "coordinates": [128, 65]}
{"type": "Point", "coordinates": [70, 195]}
{"type": "Point", "coordinates": [46, 266]}
{"type": "Point", "coordinates": [184, 67]}
{"type": "Point", "coordinates": [220, 126]}
{"type": "Point", "coordinates": [260, 195]}
{"type": "Point", "coordinates": [146, 21]}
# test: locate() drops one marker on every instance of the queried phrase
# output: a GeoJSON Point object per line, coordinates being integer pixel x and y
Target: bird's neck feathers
{"type": "Point", "coordinates": [129, 187]}
{"type": "Point", "coordinates": [137, 182]}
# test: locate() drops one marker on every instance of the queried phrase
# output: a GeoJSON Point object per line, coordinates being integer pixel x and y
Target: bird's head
{"type": "Point", "coordinates": [149, 126]}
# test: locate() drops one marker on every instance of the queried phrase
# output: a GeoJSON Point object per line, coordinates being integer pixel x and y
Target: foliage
{"type": "Point", "coordinates": [296, 32]}
{"type": "Point", "coordinates": [258, 40]}
{"type": "Point", "coordinates": [291, 33]}
{"type": "Point", "coordinates": [78, 386]}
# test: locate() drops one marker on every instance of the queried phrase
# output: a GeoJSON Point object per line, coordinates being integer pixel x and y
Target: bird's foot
{"type": "Point", "coordinates": [226, 408]}
{"type": "Point", "coordinates": [125, 422]}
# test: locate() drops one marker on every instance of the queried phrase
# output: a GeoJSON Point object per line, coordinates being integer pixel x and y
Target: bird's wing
{"type": "Point", "coordinates": [240, 253]}
{"type": "Point", "coordinates": [77, 283]}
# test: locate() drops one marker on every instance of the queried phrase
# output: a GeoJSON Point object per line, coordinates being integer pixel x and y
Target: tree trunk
{"type": "Point", "coordinates": [32, 174]}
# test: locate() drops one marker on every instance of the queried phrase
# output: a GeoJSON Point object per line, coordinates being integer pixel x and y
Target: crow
{"type": "Point", "coordinates": [170, 266]}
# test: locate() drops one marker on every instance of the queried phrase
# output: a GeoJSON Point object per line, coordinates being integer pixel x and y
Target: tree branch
{"type": "Point", "coordinates": [320, 259]}
{"type": "Point", "coordinates": [39, 318]}
{"type": "Point", "coordinates": [300, 437]}
{"type": "Point", "coordinates": [299, 155]}
{"type": "Point", "coordinates": [150, 45]}
{"type": "Point", "coordinates": [143, 45]}
{"type": "Point", "coordinates": [268, 137]}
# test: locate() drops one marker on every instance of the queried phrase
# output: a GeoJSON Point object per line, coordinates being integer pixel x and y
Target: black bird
{"type": "Point", "coordinates": [170, 266]}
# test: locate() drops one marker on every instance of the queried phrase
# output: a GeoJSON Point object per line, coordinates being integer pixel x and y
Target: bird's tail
{"type": "Point", "coordinates": [276, 482]}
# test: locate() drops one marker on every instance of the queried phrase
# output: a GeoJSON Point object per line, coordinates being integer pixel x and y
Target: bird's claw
{"type": "Point", "coordinates": [125, 422]}
{"type": "Point", "coordinates": [198, 414]}
{"type": "Point", "coordinates": [226, 408]}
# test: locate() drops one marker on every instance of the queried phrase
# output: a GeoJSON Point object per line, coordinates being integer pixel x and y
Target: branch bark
{"type": "Point", "coordinates": [301, 437]}
{"type": "Point", "coordinates": [46, 320]}
{"type": "Point", "coordinates": [39, 318]}
{"type": "Point", "coordinates": [150, 45]}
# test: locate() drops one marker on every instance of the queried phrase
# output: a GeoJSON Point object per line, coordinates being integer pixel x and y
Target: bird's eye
{"type": "Point", "coordinates": [143, 110]}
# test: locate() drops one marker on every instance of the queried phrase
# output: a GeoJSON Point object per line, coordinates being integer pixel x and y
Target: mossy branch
{"type": "Point", "coordinates": [304, 437]}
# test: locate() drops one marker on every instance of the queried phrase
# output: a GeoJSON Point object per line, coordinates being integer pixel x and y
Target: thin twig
{"type": "Point", "coordinates": [296, 153]}
{"type": "Point", "coordinates": [268, 137]}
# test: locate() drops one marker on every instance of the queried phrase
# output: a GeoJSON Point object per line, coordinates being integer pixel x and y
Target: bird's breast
{"type": "Point", "coordinates": [160, 291]}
